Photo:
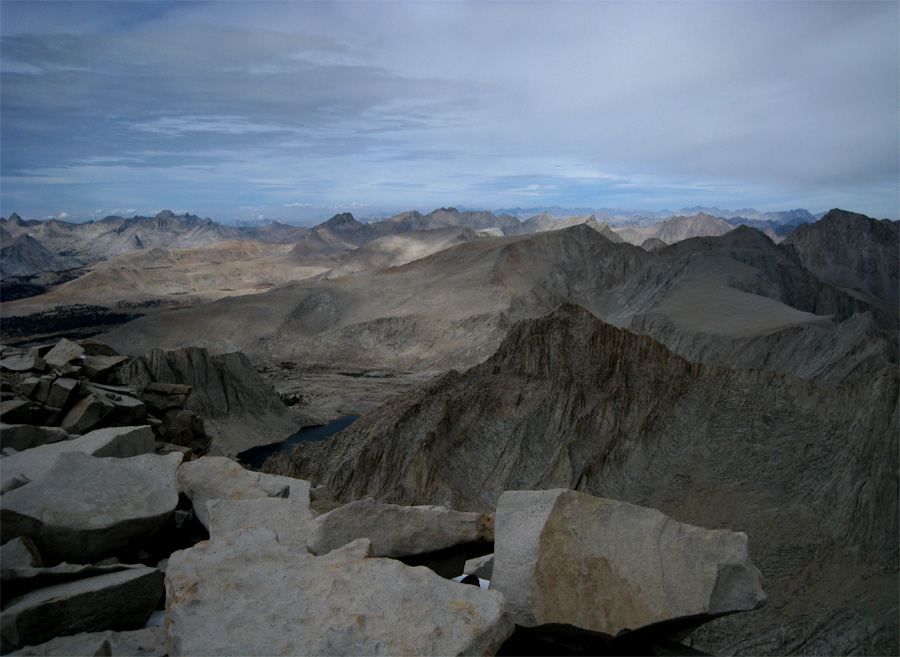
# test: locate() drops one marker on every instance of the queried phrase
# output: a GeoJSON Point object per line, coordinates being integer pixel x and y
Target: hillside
{"type": "Point", "coordinates": [854, 251]}
{"type": "Point", "coordinates": [570, 401]}
{"type": "Point", "coordinates": [675, 229]}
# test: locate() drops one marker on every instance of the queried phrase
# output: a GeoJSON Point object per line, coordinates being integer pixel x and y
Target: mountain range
{"type": "Point", "coordinates": [730, 376]}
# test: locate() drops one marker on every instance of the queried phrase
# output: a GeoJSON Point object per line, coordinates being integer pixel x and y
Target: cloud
{"type": "Point", "coordinates": [261, 104]}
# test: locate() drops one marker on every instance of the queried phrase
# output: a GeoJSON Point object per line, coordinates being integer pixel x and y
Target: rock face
{"type": "Point", "coordinates": [398, 531]}
{"type": "Point", "coordinates": [214, 478]}
{"type": "Point", "coordinates": [119, 442]}
{"type": "Point", "coordinates": [852, 250]}
{"type": "Point", "coordinates": [25, 436]}
{"type": "Point", "coordinates": [607, 566]}
{"type": "Point", "coordinates": [147, 642]}
{"type": "Point", "coordinates": [122, 600]}
{"type": "Point", "coordinates": [341, 603]}
{"type": "Point", "coordinates": [290, 521]}
{"type": "Point", "coordinates": [239, 409]}
{"type": "Point", "coordinates": [84, 508]}
{"type": "Point", "coordinates": [568, 401]}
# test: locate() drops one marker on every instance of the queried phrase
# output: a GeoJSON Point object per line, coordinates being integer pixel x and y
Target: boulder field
{"type": "Point", "coordinates": [112, 521]}
{"type": "Point", "coordinates": [241, 563]}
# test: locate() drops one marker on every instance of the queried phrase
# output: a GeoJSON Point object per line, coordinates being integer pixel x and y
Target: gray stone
{"type": "Point", "coordinates": [96, 348]}
{"type": "Point", "coordinates": [482, 566]}
{"type": "Point", "coordinates": [86, 508]}
{"type": "Point", "coordinates": [398, 531]}
{"type": "Point", "coordinates": [41, 391]}
{"type": "Point", "coordinates": [119, 409]}
{"type": "Point", "coordinates": [84, 415]}
{"type": "Point", "coordinates": [16, 411]}
{"type": "Point", "coordinates": [213, 478]}
{"type": "Point", "coordinates": [27, 385]}
{"type": "Point", "coordinates": [220, 600]}
{"type": "Point", "coordinates": [603, 565]}
{"type": "Point", "coordinates": [20, 552]}
{"type": "Point", "coordinates": [63, 353]}
{"type": "Point", "coordinates": [186, 428]}
{"type": "Point", "coordinates": [146, 642]}
{"type": "Point", "coordinates": [60, 391]}
{"type": "Point", "coordinates": [118, 442]}
{"type": "Point", "coordinates": [177, 389]}
{"type": "Point", "coordinates": [98, 366]}
{"type": "Point", "coordinates": [122, 600]}
{"type": "Point", "coordinates": [26, 436]}
{"type": "Point", "coordinates": [277, 486]}
{"type": "Point", "coordinates": [23, 364]}
{"type": "Point", "coordinates": [289, 520]}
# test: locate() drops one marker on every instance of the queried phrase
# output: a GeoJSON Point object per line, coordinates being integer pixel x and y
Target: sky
{"type": "Point", "coordinates": [297, 110]}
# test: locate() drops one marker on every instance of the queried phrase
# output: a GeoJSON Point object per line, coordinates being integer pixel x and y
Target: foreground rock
{"type": "Point", "coordinates": [215, 478]}
{"type": "Point", "coordinates": [290, 521]}
{"type": "Point", "coordinates": [607, 566]}
{"type": "Point", "coordinates": [398, 531]}
{"type": "Point", "coordinates": [122, 600]}
{"type": "Point", "coordinates": [118, 442]}
{"type": "Point", "coordinates": [147, 642]}
{"type": "Point", "coordinates": [84, 508]}
{"type": "Point", "coordinates": [246, 594]}
{"type": "Point", "coordinates": [25, 436]}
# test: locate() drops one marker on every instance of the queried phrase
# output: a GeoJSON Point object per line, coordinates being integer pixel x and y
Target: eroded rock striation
{"type": "Point", "coordinates": [808, 472]}
{"type": "Point", "coordinates": [238, 408]}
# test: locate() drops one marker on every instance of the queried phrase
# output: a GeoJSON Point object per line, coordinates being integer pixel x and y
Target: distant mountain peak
{"type": "Point", "coordinates": [342, 221]}
{"type": "Point", "coordinates": [165, 214]}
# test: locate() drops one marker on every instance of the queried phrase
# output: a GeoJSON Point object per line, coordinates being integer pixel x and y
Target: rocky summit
{"type": "Point", "coordinates": [569, 401]}
{"type": "Point", "coordinates": [107, 531]}
{"type": "Point", "coordinates": [566, 443]}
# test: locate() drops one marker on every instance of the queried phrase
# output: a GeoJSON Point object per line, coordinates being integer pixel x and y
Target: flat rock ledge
{"type": "Point", "coordinates": [120, 600]}
{"type": "Point", "coordinates": [83, 508]}
{"type": "Point", "coordinates": [343, 603]}
{"type": "Point", "coordinates": [607, 566]}
{"type": "Point", "coordinates": [398, 531]}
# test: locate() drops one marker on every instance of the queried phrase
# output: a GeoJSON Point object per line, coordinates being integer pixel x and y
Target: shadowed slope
{"type": "Point", "coordinates": [809, 473]}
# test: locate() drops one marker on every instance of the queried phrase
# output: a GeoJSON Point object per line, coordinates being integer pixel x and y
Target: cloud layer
{"type": "Point", "coordinates": [234, 109]}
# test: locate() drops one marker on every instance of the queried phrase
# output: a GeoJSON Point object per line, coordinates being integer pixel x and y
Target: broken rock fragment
{"type": "Point", "coordinates": [214, 478]}
{"type": "Point", "coordinates": [84, 508]}
{"type": "Point", "coordinates": [121, 600]}
{"type": "Point", "coordinates": [221, 600]}
{"type": "Point", "coordinates": [604, 565]}
{"type": "Point", "coordinates": [398, 531]}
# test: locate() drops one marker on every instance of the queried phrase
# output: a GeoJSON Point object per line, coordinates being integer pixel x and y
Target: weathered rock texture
{"type": "Point", "coordinates": [122, 600]}
{"type": "Point", "coordinates": [118, 442]}
{"type": "Point", "coordinates": [146, 642]}
{"type": "Point", "coordinates": [214, 478]}
{"type": "Point", "coordinates": [852, 250]}
{"type": "Point", "coordinates": [568, 401]}
{"type": "Point", "coordinates": [398, 531]}
{"type": "Point", "coordinates": [239, 409]}
{"type": "Point", "coordinates": [85, 508]}
{"type": "Point", "coordinates": [291, 521]}
{"type": "Point", "coordinates": [607, 566]}
{"type": "Point", "coordinates": [339, 604]}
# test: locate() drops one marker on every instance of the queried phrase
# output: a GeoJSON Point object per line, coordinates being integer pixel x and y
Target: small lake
{"type": "Point", "coordinates": [256, 456]}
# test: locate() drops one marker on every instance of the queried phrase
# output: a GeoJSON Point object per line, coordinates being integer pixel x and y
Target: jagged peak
{"type": "Point", "coordinates": [342, 221]}
{"type": "Point", "coordinates": [165, 214]}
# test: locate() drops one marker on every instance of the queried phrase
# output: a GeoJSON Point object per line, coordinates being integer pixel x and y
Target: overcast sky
{"type": "Point", "coordinates": [296, 110]}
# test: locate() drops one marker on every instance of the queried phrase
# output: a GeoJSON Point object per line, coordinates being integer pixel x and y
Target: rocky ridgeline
{"type": "Point", "coordinates": [56, 392]}
{"type": "Point", "coordinates": [96, 544]}
{"type": "Point", "coordinates": [111, 520]}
